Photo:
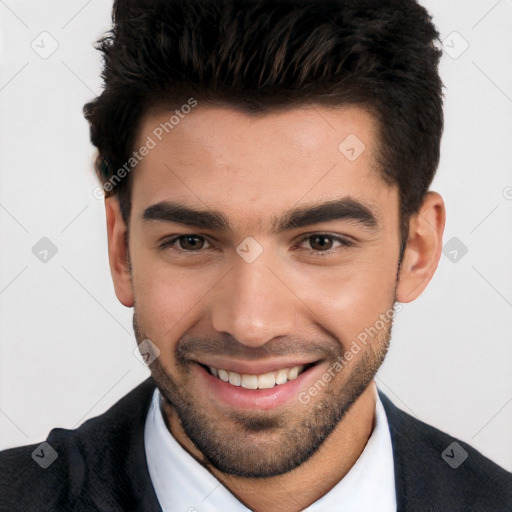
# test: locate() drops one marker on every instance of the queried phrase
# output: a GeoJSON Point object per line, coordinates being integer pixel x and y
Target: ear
{"type": "Point", "coordinates": [118, 254]}
{"type": "Point", "coordinates": [423, 249]}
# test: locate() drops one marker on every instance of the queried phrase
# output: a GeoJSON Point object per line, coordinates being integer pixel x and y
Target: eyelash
{"type": "Point", "coordinates": [344, 242]}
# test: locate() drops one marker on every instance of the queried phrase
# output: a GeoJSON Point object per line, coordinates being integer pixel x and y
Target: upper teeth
{"type": "Point", "coordinates": [262, 381]}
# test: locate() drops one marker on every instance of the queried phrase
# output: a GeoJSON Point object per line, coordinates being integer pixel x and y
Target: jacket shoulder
{"type": "Point", "coordinates": [78, 469]}
{"type": "Point", "coordinates": [42, 476]}
{"type": "Point", "coordinates": [435, 471]}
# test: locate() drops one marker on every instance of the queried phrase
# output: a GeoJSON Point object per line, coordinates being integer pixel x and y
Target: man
{"type": "Point", "coordinates": [266, 167]}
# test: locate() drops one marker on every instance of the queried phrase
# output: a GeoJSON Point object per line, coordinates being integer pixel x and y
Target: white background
{"type": "Point", "coordinates": [66, 344]}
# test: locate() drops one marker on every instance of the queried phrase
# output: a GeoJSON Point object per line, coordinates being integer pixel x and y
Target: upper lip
{"type": "Point", "coordinates": [255, 368]}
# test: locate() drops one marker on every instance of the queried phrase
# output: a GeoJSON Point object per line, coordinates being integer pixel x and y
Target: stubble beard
{"type": "Point", "coordinates": [261, 444]}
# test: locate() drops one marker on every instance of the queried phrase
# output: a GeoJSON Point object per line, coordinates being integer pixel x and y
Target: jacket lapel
{"type": "Point", "coordinates": [119, 477]}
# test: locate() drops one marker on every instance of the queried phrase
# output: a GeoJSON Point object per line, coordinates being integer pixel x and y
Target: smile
{"type": "Point", "coordinates": [261, 381]}
{"type": "Point", "coordinates": [252, 385]}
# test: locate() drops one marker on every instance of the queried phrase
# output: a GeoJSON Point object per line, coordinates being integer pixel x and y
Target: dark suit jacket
{"type": "Point", "coordinates": [102, 466]}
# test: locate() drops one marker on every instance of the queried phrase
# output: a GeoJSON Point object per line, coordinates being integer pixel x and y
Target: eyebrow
{"type": "Point", "coordinates": [345, 208]}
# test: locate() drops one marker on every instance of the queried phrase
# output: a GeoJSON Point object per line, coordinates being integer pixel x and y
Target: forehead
{"type": "Point", "coordinates": [256, 165]}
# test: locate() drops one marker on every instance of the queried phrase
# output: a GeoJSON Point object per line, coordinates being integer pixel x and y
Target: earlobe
{"type": "Point", "coordinates": [118, 252]}
{"type": "Point", "coordinates": [423, 249]}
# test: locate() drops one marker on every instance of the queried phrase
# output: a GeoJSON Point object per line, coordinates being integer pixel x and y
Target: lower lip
{"type": "Point", "coordinates": [262, 399]}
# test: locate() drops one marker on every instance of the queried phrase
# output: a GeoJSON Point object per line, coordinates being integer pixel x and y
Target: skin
{"type": "Point", "coordinates": [291, 302]}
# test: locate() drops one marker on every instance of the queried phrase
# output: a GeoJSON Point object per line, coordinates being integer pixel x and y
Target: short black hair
{"type": "Point", "coordinates": [263, 55]}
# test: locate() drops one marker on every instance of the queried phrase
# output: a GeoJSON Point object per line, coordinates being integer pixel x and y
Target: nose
{"type": "Point", "coordinates": [254, 304]}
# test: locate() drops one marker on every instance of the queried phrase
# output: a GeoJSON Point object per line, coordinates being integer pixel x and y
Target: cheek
{"type": "Point", "coordinates": [168, 299]}
{"type": "Point", "coordinates": [348, 300]}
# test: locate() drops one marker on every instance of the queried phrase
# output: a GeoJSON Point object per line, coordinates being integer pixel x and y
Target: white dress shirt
{"type": "Point", "coordinates": [183, 485]}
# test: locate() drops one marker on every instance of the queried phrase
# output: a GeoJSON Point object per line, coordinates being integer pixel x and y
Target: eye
{"type": "Point", "coordinates": [187, 243]}
{"type": "Point", "coordinates": [322, 243]}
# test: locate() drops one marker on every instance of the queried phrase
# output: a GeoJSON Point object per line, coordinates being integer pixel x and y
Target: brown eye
{"type": "Point", "coordinates": [191, 242]}
{"type": "Point", "coordinates": [324, 244]}
{"type": "Point", "coordinates": [321, 242]}
{"type": "Point", "coordinates": [185, 243]}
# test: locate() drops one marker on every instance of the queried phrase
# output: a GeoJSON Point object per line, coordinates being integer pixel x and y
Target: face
{"type": "Point", "coordinates": [259, 252]}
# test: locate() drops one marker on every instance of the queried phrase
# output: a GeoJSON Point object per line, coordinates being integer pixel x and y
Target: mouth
{"type": "Point", "coordinates": [266, 380]}
{"type": "Point", "coordinates": [255, 387]}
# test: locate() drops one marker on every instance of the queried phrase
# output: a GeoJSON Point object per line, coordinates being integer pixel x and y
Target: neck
{"type": "Point", "coordinates": [299, 488]}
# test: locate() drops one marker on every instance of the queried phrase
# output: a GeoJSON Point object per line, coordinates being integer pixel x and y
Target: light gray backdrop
{"type": "Point", "coordinates": [66, 344]}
